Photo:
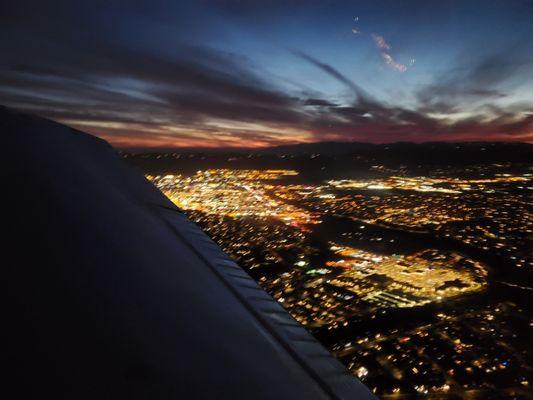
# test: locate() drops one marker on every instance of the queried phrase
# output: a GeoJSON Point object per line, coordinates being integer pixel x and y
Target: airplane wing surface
{"type": "Point", "coordinates": [113, 293]}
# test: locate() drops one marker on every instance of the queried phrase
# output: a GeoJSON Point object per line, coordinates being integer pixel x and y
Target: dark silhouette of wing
{"type": "Point", "coordinates": [113, 293]}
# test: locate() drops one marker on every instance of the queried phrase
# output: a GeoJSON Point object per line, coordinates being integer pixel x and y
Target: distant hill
{"type": "Point", "coordinates": [508, 149]}
{"type": "Point", "coordinates": [430, 153]}
{"type": "Point", "coordinates": [327, 148]}
{"type": "Point", "coordinates": [337, 159]}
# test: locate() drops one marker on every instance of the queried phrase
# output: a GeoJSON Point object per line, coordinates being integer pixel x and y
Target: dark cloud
{"type": "Point", "coordinates": [328, 69]}
{"type": "Point", "coordinates": [366, 117]}
{"type": "Point", "coordinates": [319, 103]}
{"type": "Point", "coordinates": [189, 94]}
{"type": "Point", "coordinates": [203, 84]}
{"type": "Point", "coordinates": [476, 81]}
{"type": "Point", "coordinates": [56, 66]}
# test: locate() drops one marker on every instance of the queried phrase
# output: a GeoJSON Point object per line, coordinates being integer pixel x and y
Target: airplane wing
{"type": "Point", "coordinates": [113, 293]}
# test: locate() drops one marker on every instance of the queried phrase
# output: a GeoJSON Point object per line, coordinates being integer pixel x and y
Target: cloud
{"type": "Point", "coordinates": [387, 58]}
{"type": "Point", "coordinates": [469, 83]}
{"type": "Point", "coordinates": [319, 103]}
{"type": "Point", "coordinates": [366, 119]}
{"type": "Point", "coordinates": [193, 95]}
{"type": "Point", "coordinates": [185, 102]}
{"type": "Point", "coordinates": [110, 86]}
{"type": "Point", "coordinates": [384, 48]}
{"type": "Point", "coordinates": [380, 42]}
{"type": "Point", "coordinates": [328, 69]}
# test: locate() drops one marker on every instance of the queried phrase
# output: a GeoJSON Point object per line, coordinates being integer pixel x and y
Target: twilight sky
{"type": "Point", "coordinates": [163, 74]}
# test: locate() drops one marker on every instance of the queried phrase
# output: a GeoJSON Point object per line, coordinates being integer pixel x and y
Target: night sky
{"type": "Point", "coordinates": [158, 74]}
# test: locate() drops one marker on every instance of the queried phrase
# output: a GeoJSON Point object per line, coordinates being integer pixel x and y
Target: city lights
{"type": "Point", "coordinates": [354, 252]}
